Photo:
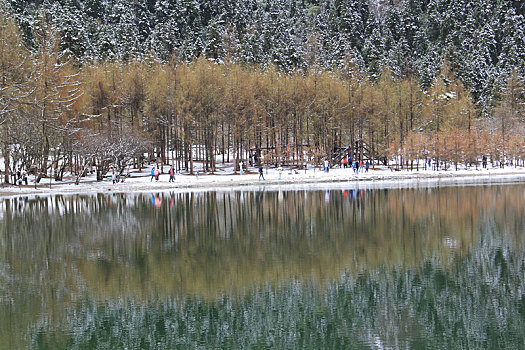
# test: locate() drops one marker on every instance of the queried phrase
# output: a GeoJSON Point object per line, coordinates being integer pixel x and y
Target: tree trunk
{"type": "Point", "coordinates": [6, 159]}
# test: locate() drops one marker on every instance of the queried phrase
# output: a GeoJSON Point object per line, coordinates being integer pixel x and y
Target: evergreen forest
{"type": "Point", "coordinates": [102, 83]}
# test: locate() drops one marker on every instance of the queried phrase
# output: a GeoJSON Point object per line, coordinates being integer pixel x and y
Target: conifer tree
{"type": "Point", "coordinates": [14, 88]}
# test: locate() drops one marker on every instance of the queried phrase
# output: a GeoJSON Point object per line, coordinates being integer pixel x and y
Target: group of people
{"type": "Point", "coordinates": [155, 174]}
{"type": "Point", "coordinates": [356, 165]}
{"type": "Point", "coordinates": [349, 162]}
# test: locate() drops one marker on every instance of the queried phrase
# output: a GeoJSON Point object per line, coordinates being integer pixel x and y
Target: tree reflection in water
{"type": "Point", "coordinates": [441, 266]}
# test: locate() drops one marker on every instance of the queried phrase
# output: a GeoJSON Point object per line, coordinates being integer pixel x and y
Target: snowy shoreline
{"type": "Point", "coordinates": [311, 179]}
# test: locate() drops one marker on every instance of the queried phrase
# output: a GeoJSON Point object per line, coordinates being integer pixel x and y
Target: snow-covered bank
{"type": "Point", "coordinates": [225, 179]}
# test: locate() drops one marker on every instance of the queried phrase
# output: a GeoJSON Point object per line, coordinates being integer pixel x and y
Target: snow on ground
{"type": "Point", "coordinates": [312, 178]}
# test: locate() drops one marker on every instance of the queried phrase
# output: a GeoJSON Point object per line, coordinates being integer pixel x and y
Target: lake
{"type": "Point", "coordinates": [353, 268]}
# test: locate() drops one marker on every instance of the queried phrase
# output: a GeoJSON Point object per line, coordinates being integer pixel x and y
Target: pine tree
{"type": "Point", "coordinates": [373, 53]}
{"type": "Point", "coordinates": [68, 21]}
{"type": "Point", "coordinates": [126, 32]}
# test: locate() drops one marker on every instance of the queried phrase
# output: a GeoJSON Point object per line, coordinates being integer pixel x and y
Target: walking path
{"type": "Point", "coordinates": [311, 178]}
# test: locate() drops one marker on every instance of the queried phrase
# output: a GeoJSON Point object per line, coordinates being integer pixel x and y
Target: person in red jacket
{"type": "Point", "coordinates": [172, 174]}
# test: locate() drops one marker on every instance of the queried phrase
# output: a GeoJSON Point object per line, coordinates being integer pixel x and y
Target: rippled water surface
{"type": "Point", "coordinates": [357, 268]}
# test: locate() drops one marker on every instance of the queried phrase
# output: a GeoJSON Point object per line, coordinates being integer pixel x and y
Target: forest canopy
{"type": "Point", "coordinates": [482, 39]}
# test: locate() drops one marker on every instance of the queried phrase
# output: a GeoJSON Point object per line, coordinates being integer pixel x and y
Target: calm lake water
{"type": "Point", "coordinates": [355, 268]}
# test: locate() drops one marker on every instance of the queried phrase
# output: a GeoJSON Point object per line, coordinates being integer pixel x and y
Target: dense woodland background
{"type": "Point", "coordinates": [99, 83]}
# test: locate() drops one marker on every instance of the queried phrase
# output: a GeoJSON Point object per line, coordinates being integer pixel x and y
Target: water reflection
{"type": "Point", "coordinates": [123, 257]}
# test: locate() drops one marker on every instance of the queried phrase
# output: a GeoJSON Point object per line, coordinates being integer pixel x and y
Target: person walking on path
{"type": "Point", "coordinates": [240, 168]}
{"type": "Point", "coordinates": [114, 178]}
{"type": "Point", "coordinates": [157, 174]}
{"type": "Point", "coordinates": [367, 165]}
{"type": "Point", "coordinates": [152, 173]}
{"type": "Point", "coordinates": [172, 174]}
{"type": "Point", "coordinates": [326, 165]}
{"type": "Point", "coordinates": [280, 170]}
{"type": "Point", "coordinates": [261, 174]}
